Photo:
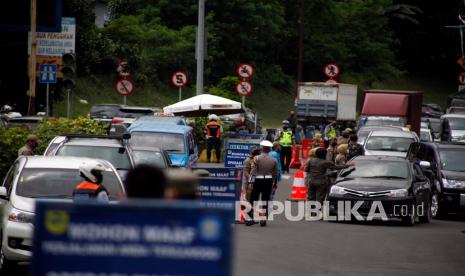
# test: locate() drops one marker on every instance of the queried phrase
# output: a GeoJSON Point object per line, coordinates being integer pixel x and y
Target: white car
{"type": "Point", "coordinates": [389, 143]}
{"type": "Point", "coordinates": [33, 178]}
{"type": "Point", "coordinates": [452, 127]}
{"type": "Point", "coordinates": [425, 135]}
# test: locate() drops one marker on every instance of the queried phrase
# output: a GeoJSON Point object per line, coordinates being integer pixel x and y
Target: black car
{"type": "Point", "coordinates": [400, 186]}
{"type": "Point", "coordinates": [28, 122]}
{"type": "Point", "coordinates": [242, 122]}
{"type": "Point", "coordinates": [105, 112]}
{"type": "Point", "coordinates": [447, 174]}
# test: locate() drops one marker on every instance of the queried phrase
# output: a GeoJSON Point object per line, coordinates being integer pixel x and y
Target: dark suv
{"type": "Point", "coordinates": [447, 174]}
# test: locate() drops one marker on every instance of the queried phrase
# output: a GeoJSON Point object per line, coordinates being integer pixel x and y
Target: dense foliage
{"type": "Point", "coordinates": [369, 39]}
{"type": "Point", "coordinates": [12, 139]}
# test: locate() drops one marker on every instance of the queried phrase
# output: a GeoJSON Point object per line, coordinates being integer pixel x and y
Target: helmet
{"type": "Point", "coordinates": [92, 171]}
{"type": "Point", "coordinates": [213, 117]}
{"type": "Point", "coordinates": [285, 122]}
{"type": "Point", "coordinates": [266, 143]}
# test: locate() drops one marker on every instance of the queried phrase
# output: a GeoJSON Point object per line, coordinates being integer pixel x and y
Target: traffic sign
{"type": "Point", "coordinates": [331, 70]}
{"type": "Point", "coordinates": [123, 69]}
{"type": "Point", "coordinates": [179, 79]}
{"type": "Point", "coordinates": [47, 73]}
{"type": "Point", "coordinates": [245, 71]}
{"type": "Point", "coordinates": [461, 78]}
{"type": "Point", "coordinates": [124, 87]}
{"type": "Point", "coordinates": [244, 88]}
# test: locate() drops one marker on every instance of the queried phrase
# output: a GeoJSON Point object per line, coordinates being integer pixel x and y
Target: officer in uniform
{"type": "Point", "coordinates": [32, 142]}
{"type": "Point", "coordinates": [91, 187]}
{"type": "Point", "coordinates": [213, 130]}
{"type": "Point", "coordinates": [263, 179]}
{"type": "Point", "coordinates": [286, 140]}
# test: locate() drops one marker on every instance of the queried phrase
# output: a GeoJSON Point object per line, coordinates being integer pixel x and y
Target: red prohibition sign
{"type": "Point", "coordinates": [244, 88]}
{"type": "Point", "coordinates": [179, 79]}
{"type": "Point", "coordinates": [245, 71]}
{"type": "Point", "coordinates": [124, 87]}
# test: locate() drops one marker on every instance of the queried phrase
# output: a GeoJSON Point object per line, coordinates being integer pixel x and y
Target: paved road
{"type": "Point", "coordinates": [332, 248]}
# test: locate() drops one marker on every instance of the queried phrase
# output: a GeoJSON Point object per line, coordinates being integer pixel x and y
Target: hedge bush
{"type": "Point", "coordinates": [11, 139]}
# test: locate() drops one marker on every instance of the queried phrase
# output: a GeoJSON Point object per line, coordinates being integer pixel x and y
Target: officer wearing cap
{"type": "Point", "coordinates": [213, 130]}
{"type": "Point", "coordinates": [32, 142]}
{"type": "Point", "coordinates": [286, 140]}
{"type": "Point", "coordinates": [263, 178]}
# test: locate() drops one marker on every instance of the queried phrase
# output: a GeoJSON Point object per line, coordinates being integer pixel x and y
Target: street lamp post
{"type": "Point", "coordinates": [200, 47]}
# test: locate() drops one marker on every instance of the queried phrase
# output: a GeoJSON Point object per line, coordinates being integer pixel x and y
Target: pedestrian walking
{"type": "Point", "coordinates": [332, 150]}
{"type": "Point", "coordinates": [341, 157]}
{"type": "Point", "coordinates": [263, 178]}
{"type": "Point", "coordinates": [247, 167]}
{"type": "Point", "coordinates": [213, 130]}
{"type": "Point", "coordinates": [317, 170]}
{"type": "Point", "coordinates": [355, 149]}
{"type": "Point", "coordinates": [275, 154]}
{"type": "Point", "coordinates": [32, 141]}
{"type": "Point", "coordinates": [286, 141]}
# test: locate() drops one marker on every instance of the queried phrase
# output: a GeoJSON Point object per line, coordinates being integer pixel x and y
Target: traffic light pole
{"type": "Point", "coordinates": [200, 47]}
{"type": "Point", "coordinates": [48, 100]}
{"type": "Point", "coordinates": [68, 113]}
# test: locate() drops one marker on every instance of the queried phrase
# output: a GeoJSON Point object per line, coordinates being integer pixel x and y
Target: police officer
{"type": "Point", "coordinates": [263, 179]}
{"type": "Point", "coordinates": [286, 140]}
{"type": "Point", "coordinates": [213, 130]}
{"type": "Point", "coordinates": [329, 132]}
{"type": "Point", "coordinates": [91, 187]}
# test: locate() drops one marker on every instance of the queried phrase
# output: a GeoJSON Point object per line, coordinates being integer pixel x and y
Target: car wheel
{"type": "Point", "coordinates": [409, 220]}
{"type": "Point", "coordinates": [428, 213]}
{"type": "Point", "coordinates": [438, 210]}
{"type": "Point", "coordinates": [6, 266]}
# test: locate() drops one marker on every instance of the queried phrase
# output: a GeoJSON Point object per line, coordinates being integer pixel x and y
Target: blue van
{"type": "Point", "coordinates": [177, 140]}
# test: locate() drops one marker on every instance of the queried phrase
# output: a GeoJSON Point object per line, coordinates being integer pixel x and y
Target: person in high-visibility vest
{"type": "Point", "coordinates": [329, 133]}
{"type": "Point", "coordinates": [286, 140]}
{"type": "Point", "coordinates": [213, 130]}
{"type": "Point", "coordinates": [91, 187]}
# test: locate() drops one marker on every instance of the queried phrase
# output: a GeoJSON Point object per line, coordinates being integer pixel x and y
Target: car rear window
{"type": "Point", "coordinates": [150, 158]}
{"type": "Point", "coordinates": [60, 183]}
{"type": "Point", "coordinates": [105, 111]}
{"type": "Point", "coordinates": [170, 142]}
{"type": "Point", "coordinates": [117, 156]}
{"type": "Point", "coordinates": [388, 143]}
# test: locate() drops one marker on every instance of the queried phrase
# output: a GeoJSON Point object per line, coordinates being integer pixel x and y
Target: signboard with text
{"type": "Point", "coordinates": [56, 44]}
{"type": "Point", "coordinates": [139, 238]}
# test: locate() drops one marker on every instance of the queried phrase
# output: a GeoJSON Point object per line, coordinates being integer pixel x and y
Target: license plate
{"type": "Point", "coordinates": [462, 200]}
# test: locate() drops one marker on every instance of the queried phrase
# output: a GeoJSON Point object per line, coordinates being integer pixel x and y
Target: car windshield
{"type": "Point", "coordinates": [425, 136]}
{"type": "Point", "coordinates": [150, 158]}
{"type": "Point", "coordinates": [457, 123]}
{"type": "Point", "coordinates": [168, 141]}
{"type": "Point", "coordinates": [379, 122]}
{"type": "Point", "coordinates": [60, 183]}
{"type": "Point", "coordinates": [116, 156]}
{"type": "Point", "coordinates": [388, 143]}
{"type": "Point", "coordinates": [453, 159]}
{"type": "Point", "coordinates": [379, 169]}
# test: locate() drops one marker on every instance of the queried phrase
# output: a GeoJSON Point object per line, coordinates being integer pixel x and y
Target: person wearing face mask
{"type": "Point", "coordinates": [32, 142]}
{"type": "Point", "coordinates": [286, 141]}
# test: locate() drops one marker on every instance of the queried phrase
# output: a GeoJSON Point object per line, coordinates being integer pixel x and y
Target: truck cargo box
{"type": "Point", "coordinates": [394, 105]}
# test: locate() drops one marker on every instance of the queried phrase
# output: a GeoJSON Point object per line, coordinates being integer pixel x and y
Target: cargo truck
{"type": "Point", "coordinates": [391, 107]}
{"type": "Point", "coordinates": [318, 102]}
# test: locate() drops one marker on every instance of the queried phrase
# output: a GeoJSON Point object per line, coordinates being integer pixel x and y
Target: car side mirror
{"type": "Point", "coordinates": [121, 150]}
{"type": "Point", "coordinates": [3, 193]}
{"type": "Point", "coordinates": [425, 164]}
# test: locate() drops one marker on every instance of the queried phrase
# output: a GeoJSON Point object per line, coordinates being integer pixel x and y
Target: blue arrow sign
{"type": "Point", "coordinates": [47, 73]}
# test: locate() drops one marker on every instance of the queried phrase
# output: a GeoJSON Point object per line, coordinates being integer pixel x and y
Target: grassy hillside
{"type": "Point", "coordinates": [272, 105]}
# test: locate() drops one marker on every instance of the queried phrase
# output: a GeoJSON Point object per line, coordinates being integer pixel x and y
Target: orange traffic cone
{"type": "Point", "coordinates": [299, 189]}
{"type": "Point", "coordinates": [295, 160]}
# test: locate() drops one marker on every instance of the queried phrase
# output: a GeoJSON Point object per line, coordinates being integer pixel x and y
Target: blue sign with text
{"type": "Point", "coordinates": [132, 238]}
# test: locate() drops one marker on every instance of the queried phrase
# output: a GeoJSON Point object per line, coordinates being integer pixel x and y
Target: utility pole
{"type": "Point", "coordinates": [32, 60]}
{"type": "Point", "coordinates": [300, 62]}
{"type": "Point", "coordinates": [200, 47]}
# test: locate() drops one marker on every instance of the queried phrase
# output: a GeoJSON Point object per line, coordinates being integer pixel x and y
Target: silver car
{"type": "Point", "coordinates": [389, 142]}
{"type": "Point", "coordinates": [45, 178]}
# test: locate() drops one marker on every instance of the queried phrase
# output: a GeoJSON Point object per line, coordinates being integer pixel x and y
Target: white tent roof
{"type": "Point", "coordinates": [203, 104]}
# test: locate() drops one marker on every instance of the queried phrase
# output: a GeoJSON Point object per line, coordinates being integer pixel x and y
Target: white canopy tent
{"type": "Point", "coordinates": [204, 104]}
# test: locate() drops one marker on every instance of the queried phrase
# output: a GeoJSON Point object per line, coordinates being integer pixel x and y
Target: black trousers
{"type": "Point", "coordinates": [261, 187]}
{"type": "Point", "coordinates": [213, 143]}
{"type": "Point", "coordinates": [285, 155]}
